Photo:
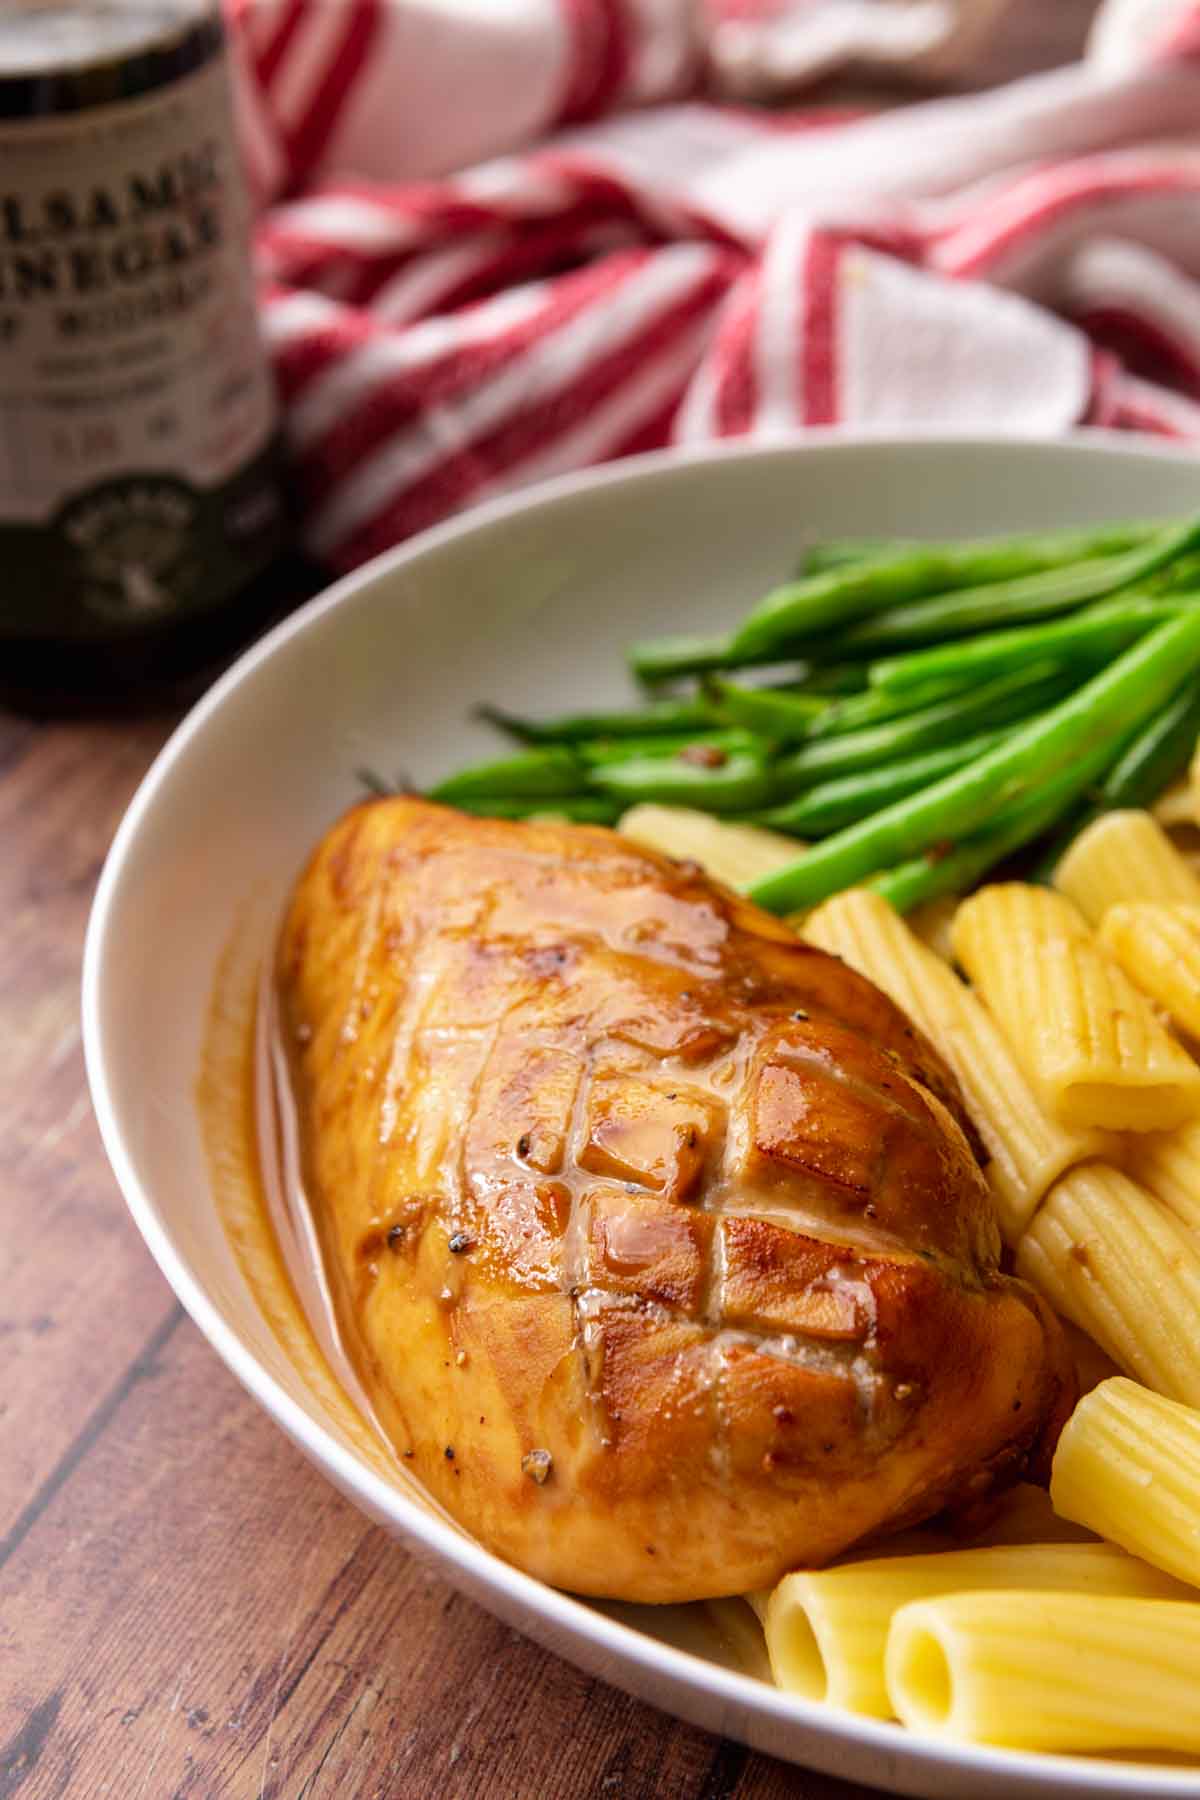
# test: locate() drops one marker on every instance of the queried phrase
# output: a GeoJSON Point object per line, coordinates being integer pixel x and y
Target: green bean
{"type": "Point", "coordinates": [638, 722]}
{"type": "Point", "coordinates": [531, 774]}
{"type": "Point", "coordinates": [1157, 754]}
{"type": "Point", "coordinates": [1121, 697]}
{"type": "Point", "coordinates": [377, 784]}
{"type": "Point", "coordinates": [872, 707]}
{"type": "Point", "coordinates": [803, 609]}
{"type": "Point", "coordinates": [1179, 577]}
{"type": "Point", "coordinates": [833, 678]}
{"type": "Point", "coordinates": [839, 802]}
{"type": "Point", "coordinates": [1043, 550]}
{"type": "Point", "coordinates": [929, 728]}
{"type": "Point", "coordinates": [739, 784]}
{"type": "Point", "coordinates": [836, 553]}
{"type": "Point", "coordinates": [1033, 597]}
{"type": "Point", "coordinates": [593, 752]}
{"type": "Point", "coordinates": [952, 871]}
{"type": "Point", "coordinates": [1154, 756]}
{"type": "Point", "coordinates": [779, 713]}
{"type": "Point", "coordinates": [666, 658]}
{"type": "Point", "coordinates": [1099, 632]}
{"type": "Point", "coordinates": [800, 611]}
{"type": "Point", "coordinates": [579, 809]}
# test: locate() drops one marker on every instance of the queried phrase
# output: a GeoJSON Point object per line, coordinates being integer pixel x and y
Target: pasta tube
{"type": "Point", "coordinates": [1090, 1043]}
{"type": "Point", "coordinates": [1028, 1149]}
{"type": "Point", "coordinates": [1124, 856]}
{"type": "Point", "coordinates": [1159, 949]}
{"type": "Point", "coordinates": [1176, 805]}
{"type": "Point", "coordinates": [1023, 1515]}
{"type": "Point", "coordinates": [1128, 1465]}
{"type": "Point", "coordinates": [932, 921]}
{"type": "Point", "coordinates": [739, 1634]}
{"type": "Point", "coordinates": [1111, 1257]}
{"type": "Point", "coordinates": [738, 855]}
{"type": "Point", "coordinates": [827, 1629]}
{"type": "Point", "coordinates": [1168, 1163]}
{"type": "Point", "coordinates": [1049, 1671]}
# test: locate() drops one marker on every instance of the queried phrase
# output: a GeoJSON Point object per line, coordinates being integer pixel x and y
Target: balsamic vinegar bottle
{"type": "Point", "coordinates": [142, 519]}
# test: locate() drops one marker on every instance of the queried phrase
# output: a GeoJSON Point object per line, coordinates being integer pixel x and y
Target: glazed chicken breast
{"type": "Point", "coordinates": [656, 1235]}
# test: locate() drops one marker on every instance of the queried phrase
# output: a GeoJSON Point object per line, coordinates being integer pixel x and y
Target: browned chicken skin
{"type": "Point", "coordinates": [651, 1228]}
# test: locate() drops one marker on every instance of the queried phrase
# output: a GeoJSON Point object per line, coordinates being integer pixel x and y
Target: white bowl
{"type": "Point", "coordinates": [526, 602]}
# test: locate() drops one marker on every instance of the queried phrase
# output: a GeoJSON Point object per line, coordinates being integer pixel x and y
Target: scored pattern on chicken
{"type": "Point", "coordinates": [656, 1233]}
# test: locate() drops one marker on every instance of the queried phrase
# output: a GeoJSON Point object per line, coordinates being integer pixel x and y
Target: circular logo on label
{"type": "Point", "coordinates": [134, 547]}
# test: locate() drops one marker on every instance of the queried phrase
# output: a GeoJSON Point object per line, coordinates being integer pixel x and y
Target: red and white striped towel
{"type": "Point", "coordinates": [1027, 259]}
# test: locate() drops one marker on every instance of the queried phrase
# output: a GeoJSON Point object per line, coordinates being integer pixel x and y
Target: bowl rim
{"type": "Point", "coordinates": [567, 1616]}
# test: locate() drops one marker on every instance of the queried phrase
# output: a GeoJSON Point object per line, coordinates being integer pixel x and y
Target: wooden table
{"type": "Point", "coordinates": [186, 1608]}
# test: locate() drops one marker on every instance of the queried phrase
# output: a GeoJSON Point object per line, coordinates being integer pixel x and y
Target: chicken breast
{"type": "Point", "coordinates": [655, 1233]}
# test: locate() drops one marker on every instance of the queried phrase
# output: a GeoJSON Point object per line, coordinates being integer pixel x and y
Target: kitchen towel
{"type": "Point", "coordinates": [498, 243]}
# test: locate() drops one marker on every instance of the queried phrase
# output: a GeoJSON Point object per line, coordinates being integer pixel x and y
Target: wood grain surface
{"type": "Point", "coordinates": [186, 1608]}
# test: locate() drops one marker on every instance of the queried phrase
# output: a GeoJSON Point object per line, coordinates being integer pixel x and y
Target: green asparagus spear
{"type": "Point", "coordinates": [1097, 633]}
{"type": "Point", "coordinates": [839, 802]}
{"type": "Point", "coordinates": [1033, 597]}
{"type": "Point", "coordinates": [990, 576]}
{"type": "Point", "coordinates": [1123, 696]}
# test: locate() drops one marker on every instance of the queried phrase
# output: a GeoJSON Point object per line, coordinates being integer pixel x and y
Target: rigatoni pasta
{"type": "Point", "coordinates": [1128, 1466]}
{"type": "Point", "coordinates": [1023, 1515]}
{"type": "Point", "coordinates": [1111, 1257]}
{"type": "Point", "coordinates": [738, 855]}
{"type": "Point", "coordinates": [932, 923]}
{"type": "Point", "coordinates": [1176, 805]}
{"type": "Point", "coordinates": [826, 1629]}
{"type": "Point", "coordinates": [1124, 856]}
{"type": "Point", "coordinates": [1159, 949]}
{"type": "Point", "coordinates": [1089, 1041]}
{"type": "Point", "coordinates": [1049, 1671]}
{"type": "Point", "coordinates": [1028, 1149]}
{"type": "Point", "coordinates": [1168, 1163]}
{"type": "Point", "coordinates": [738, 1630]}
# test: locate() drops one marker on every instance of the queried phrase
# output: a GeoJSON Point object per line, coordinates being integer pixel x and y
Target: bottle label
{"type": "Point", "coordinates": [137, 412]}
